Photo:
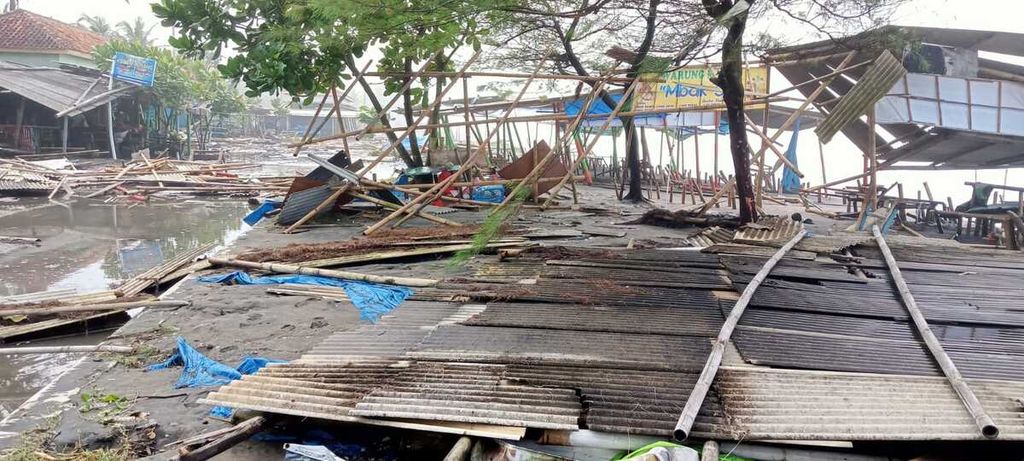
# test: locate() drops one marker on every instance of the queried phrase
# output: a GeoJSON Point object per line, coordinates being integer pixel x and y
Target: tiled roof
{"type": "Point", "coordinates": [24, 30]}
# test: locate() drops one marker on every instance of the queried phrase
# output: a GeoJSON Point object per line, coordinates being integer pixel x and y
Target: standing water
{"type": "Point", "coordinates": [90, 247]}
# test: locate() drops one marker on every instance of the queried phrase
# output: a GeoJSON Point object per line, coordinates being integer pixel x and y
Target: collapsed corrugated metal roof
{"type": "Point", "coordinates": [583, 350]}
{"type": "Point", "coordinates": [947, 133]}
{"type": "Point", "coordinates": [63, 91]}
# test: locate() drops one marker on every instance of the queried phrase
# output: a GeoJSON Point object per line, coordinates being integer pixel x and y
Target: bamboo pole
{"type": "Point", "coordinates": [707, 375]}
{"type": "Point", "coordinates": [341, 120]}
{"type": "Point", "coordinates": [590, 146]}
{"type": "Point", "coordinates": [807, 102]}
{"type": "Point", "coordinates": [290, 269]}
{"type": "Point", "coordinates": [30, 310]}
{"type": "Point", "coordinates": [984, 422]}
{"type": "Point", "coordinates": [540, 166]}
{"type": "Point", "coordinates": [62, 350]}
{"type": "Point", "coordinates": [386, 204]}
{"type": "Point", "coordinates": [440, 187]}
{"type": "Point", "coordinates": [312, 121]}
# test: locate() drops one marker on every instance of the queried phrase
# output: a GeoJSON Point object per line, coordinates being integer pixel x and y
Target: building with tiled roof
{"type": "Point", "coordinates": [36, 40]}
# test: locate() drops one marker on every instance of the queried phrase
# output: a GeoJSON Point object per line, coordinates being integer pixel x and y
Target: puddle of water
{"type": "Point", "coordinates": [91, 247]}
{"type": "Point", "coordinates": [23, 375]}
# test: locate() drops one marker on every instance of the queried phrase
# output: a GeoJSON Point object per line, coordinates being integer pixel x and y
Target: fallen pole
{"type": "Point", "coordinates": [289, 269]}
{"type": "Point", "coordinates": [460, 450]}
{"type": "Point", "coordinates": [35, 310]}
{"type": "Point", "coordinates": [981, 418]}
{"type": "Point", "coordinates": [707, 375]}
{"type": "Point", "coordinates": [62, 350]}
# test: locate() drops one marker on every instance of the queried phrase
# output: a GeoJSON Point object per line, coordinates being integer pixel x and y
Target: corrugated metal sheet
{"type": "Point", "coordinates": [471, 393]}
{"type": "Point", "coordinates": [302, 202]}
{"type": "Point", "coordinates": [458, 343]}
{"type": "Point", "coordinates": [772, 230]}
{"type": "Point", "coordinates": [869, 89]}
{"type": "Point", "coordinates": [709, 236]}
{"type": "Point", "coordinates": [811, 405]}
{"type": "Point", "coordinates": [26, 186]}
{"type": "Point", "coordinates": [680, 321]}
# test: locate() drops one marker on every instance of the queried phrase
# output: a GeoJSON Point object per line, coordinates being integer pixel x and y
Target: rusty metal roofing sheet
{"type": "Point", "coordinates": [813, 405]}
{"type": "Point", "coordinates": [616, 319]}
{"type": "Point", "coordinates": [769, 230]}
{"type": "Point", "coordinates": [470, 393]}
{"type": "Point", "coordinates": [819, 351]}
{"type": "Point", "coordinates": [458, 343]}
{"type": "Point", "coordinates": [302, 202]}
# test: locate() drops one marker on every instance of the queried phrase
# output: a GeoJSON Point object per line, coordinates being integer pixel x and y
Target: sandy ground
{"type": "Point", "coordinates": [230, 322]}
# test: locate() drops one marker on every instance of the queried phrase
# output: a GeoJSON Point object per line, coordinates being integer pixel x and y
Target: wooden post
{"type": "Point", "coordinates": [19, 120]}
{"type": "Point", "coordinates": [696, 154]}
{"type": "Point", "coordinates": [341, 120]}
{"type": "Point", "coordinates": [717, 123]}
{"type": "Point", "coordinates": [64, 136]}
{"type": "Point", "coordinates": [872, 159]}
{"type": "Point", "coordinates": [312, 121]}
{"type": "Point", "coordinates": [981, 419]}
{"type": "Point", "coordinates": [707, 375]}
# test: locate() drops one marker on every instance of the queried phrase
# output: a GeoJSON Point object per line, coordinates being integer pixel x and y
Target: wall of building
{"type": "Point", "coordinates": [44, 59]}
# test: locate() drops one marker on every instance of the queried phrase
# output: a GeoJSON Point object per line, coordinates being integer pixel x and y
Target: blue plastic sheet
{"type": "Point", "coordinates": [256, 215]}
{"type": "Point", "coordinates": [790, 181]}
{"type": "Point", "coordinates": [371, 299]}
{"type": "Point", "coordinates": [202, 371]}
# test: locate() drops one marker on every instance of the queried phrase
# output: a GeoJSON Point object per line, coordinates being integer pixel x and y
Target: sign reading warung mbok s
{"type": "Point", "coordinates": [134, 69]}
{"type": "Point", "coordinates": [691, 87]}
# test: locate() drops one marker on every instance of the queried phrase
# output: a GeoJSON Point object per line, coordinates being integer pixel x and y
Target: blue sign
{"type": "Point", "coordinates": [134, 69]}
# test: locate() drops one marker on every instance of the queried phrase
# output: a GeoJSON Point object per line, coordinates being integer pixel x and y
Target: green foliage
{"type": "Point", "coordinates": [300, 46]}
{"type": "Point", "coordinates": [181, 82]}
{"type": "Point", "coordinates": [492, 226]}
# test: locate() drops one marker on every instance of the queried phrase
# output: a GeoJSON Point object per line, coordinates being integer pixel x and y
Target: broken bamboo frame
{"type": "Point", "coordinates": [540, 166]}
{"type": "Point", "coordinates": [309, 134]}
{"type": "Point", "coordinates": [590, 146]}
{"type": "Point", "coordinates": [366, 169]}
{"type": "Point", "coordinates": [707, 375]}
{"type": "Point", "coordinates": [440, 187]}
{"type": "Point", "coordinates": [770, 144]}
{"type": "Point", "coordinates": [290, 269]}
{"type": "Point", "coordinates": [981, 418]}
{"type": "Point", "coordinates": [807, 102]}
{"type": "Point", "coordinates": [387, 204]}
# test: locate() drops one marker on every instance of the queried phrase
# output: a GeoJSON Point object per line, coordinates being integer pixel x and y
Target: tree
{"type": "Point", "coordinates": [582, 31]}
{"type": "Point", "coordinates": [307, 48]}
{"type": "Point", "coordinates": [827, 17]}
{"type": "Point", "coordinates": [136, 31]}
{"type": "Point", "coordinates": [97, 24]}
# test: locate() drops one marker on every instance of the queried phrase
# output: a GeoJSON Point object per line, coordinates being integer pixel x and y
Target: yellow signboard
{"type": "Point", "coordinates": [691, 87]}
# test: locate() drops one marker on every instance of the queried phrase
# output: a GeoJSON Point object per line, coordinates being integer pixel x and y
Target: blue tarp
{"type": "Point", "coordinates": [202, 371]}
{"type": "Point", "coordinates": [373, 300]}
{"type": "Point", "coordinates": [790, 181]}
{"type": "Point", "coordinates": [598, 109]}
{"type": "Point", "coordinates": [256, 215]}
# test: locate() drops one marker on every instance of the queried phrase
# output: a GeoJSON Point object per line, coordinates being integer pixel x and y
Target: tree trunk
{"type": "Point", "coordinates": [414, 145]}
{"type": "Point", "coordinates": [636, 187]}
{"type": "Point", "coordinates": [730, 80]}
{"type": "Point", "coordinates": [392, 137]}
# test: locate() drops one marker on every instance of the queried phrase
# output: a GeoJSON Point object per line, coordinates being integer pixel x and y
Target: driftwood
{"type": "Point", "coordinates": [236, 435]}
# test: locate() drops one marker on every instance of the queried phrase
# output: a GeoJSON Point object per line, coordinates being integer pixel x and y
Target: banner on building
{"type": "Point", "coordinates": [690, 87]}
{"type": "Point", "coordinates": [134, 69]}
